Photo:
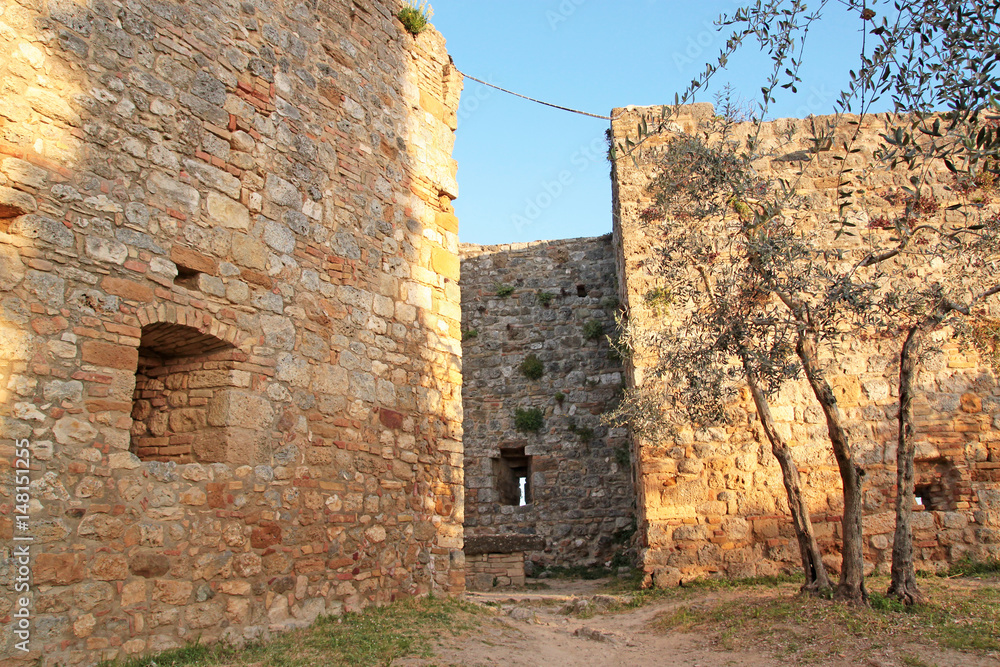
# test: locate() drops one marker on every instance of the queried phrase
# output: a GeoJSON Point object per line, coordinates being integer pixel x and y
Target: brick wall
{"type": "Point", "coordinates": [229, 317]}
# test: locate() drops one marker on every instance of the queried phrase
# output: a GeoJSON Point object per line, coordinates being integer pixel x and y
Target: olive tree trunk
{"type": "Point", "coordinates": [904, 577]}
{"type": "Point", "coordinates": [851, 587]}
{"type": "Point", "coordinates": [812, 561]}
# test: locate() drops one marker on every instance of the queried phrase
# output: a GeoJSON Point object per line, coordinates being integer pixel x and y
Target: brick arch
{"type": "Point", "coordinates": [196, 319]}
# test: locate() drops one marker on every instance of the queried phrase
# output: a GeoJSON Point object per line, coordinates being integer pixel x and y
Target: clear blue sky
{"type": "Point", "coordinates": [591, 55]}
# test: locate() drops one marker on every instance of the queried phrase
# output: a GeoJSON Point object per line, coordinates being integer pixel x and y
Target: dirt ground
{"type": "Point", "coordinates": [566, 623]}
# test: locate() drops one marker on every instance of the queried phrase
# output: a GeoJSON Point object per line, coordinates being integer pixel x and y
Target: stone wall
{"type": "Point", "coordinates": [229, 317]}
{"type": "Point", "coordinates": [711, 499]}
{"type": "Point", "coordinates": [576, 471]}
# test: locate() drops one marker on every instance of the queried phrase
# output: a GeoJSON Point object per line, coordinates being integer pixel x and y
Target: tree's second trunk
{"type": "Point", "coordinates": [812, 561]}
{"type": "Point", "coordinates": [852, 576]}
{"type": "Point", "coordinates": [904, 578]}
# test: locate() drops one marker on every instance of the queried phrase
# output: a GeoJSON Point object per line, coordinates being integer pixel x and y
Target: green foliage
{"type": "Point", "coordinates": [575, 572]}
{"type": "Point", "coordinates": [593, 329]}
{"type": "Point", "coordinates": [532, 367]}
{"type": "Point", "coordinates": [969, 567]}
{"type": "Point", "coordinates": [610, 302]}
{"type": "Point", "coordinates": [529, 420]}
{"type": "Point", "coordinates": [469, 334]}
{"type": "Point", "coordinates": [503, 291]}
{"type": "Point", "coordinates": [585, 433]}
{"type": "Point", "coordinates": [623, 457]}
{"type": "Point", "coordinates": [560, 397]}
{"type": "Point", "coordinates": [415, 17]}
{"type": "Point", "coordinates": [545, 298]}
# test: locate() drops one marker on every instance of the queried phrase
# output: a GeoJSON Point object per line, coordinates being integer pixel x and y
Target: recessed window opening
{"type": "Point", "coordinates": [181, 371]}
{"type": "Point", "coordinates": [932, 497]}
{"type": "Point", "coordinates": [581, 290]}
{"type": "Point", "coordinates": [512, 472]}
{"type": "Point", "coordinates": [187, 277]}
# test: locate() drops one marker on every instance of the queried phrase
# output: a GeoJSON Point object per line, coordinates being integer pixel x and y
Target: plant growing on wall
{"type": "Point", "coordinates": [531, 367]}
{"type": "Point", "coordinates": [415, 17]}
{"type": "Point", "coordinates": [593, 329]}
{"type": "Point", "coordinates": [470, 334]}
{"type": "Point", "coordinates": [529, 420]}
{"type": "Point", "coordinates": [503, 291]}
{"type": "Point", "coordinates": [545, 298]}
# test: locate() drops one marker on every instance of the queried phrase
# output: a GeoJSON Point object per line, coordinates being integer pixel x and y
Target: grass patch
{"type": "Point", "coordinates": [768, 614]}
{"type": "Point", "coordinates": [967, 567]}
{"type": "Point", "coordinates": [576, 572]}
{"type": "Point", "coordinates": [376, 636]}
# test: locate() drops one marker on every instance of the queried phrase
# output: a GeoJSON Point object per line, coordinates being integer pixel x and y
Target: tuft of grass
{"type": "Point", "coordinates": [576, 572]}
{"type": "Point", "coordinates": [968, 567]}
{"type": "Point", "coordinates": [470, 334]}
{"type": "Point", "coordinates": [503, 291]}
{"type": "Point", "coordinates": [545, 298]}
{"type": "Point", "coordinates": [415, 17]}
{"type": "Point", "coordinates": [376, 636]}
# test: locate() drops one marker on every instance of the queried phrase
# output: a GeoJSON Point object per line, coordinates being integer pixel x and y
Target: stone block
{"type": "Point", "coordinates": [149, 564]}
{"type": "Point", "coordinates": [109, 567]}
{"type": "Point", "coordinates": [227, 212]}
{"type": "Point", "coordinates": [127, 289]}
{"type": "Point", "coordinates": [194, 260]}
{"type": "Point", "coordinates": [172, 592]}
{"type": "Point", "coordinates": [14, 203]}
{"type": "Point", "coordinates": [59, 569]}
{"type": "Point", "coordinates": [110, 355]}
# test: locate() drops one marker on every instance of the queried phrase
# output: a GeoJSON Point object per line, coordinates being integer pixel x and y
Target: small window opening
{"type": "Point", "coordinates": [187, 277]}
{"type": "Point", "coordinates": [513, 477]}
{"type": "Point", "coordinates": [581, 290]}
{"type": "Point", "coordinates": [932, 497]}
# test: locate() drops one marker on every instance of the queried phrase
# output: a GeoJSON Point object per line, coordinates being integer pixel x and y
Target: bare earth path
{"type": "Point", "coordinates": [567, 624]}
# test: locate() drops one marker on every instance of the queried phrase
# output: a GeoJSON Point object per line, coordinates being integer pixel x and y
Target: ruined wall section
{"type": "Point", "coordinates": [712, 500]}
{"type": "Point", "coordinates": [578, 473]}
{"type": "Point", "coordinates": [256, 196]}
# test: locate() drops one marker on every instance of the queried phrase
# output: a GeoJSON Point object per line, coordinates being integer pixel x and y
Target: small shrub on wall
{"type": "Point", "coordinates": [415, 17]}
{"type": "Point", "coordinates": [528, 420]}
{"type": "Point", "coordinates": [532, 367]}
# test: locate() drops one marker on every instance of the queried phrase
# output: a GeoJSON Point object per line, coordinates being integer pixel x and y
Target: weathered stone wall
{"type": "Point", "coordinates": [712, 500]}
{"type": "Point", "coordinates": [580, 489]}
{"type": "Point", "coordinates": [247, 204]}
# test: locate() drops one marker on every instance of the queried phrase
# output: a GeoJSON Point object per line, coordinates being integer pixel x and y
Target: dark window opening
{"type": "Point", "coordinates": [187, 277]}
{"type": "Point", "coordinates": [581, 290]}
{"type": "Point", "coordinates": [932, 497]}
{"type": "Point", "coordinates": [513, 477]}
